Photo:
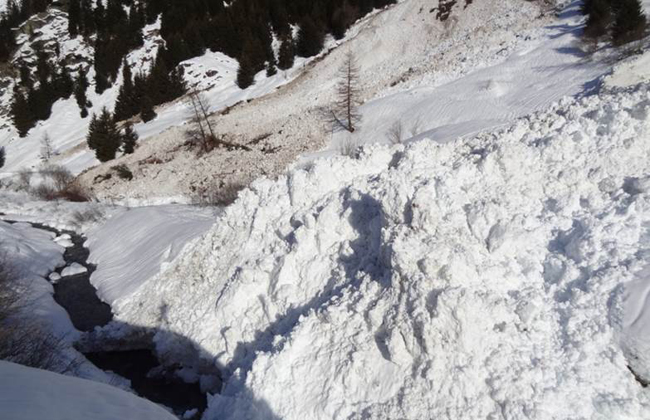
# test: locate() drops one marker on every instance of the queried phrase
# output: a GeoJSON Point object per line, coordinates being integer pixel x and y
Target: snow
{"type": "Point", "coordinates": [28, 394]}
{"type": "Point", "coordinates": [486, 278]}
{"type": "Point", "coordinates": [73, 269]}
{"type": "Point", "coordinates": [630, 72]}
{"type": "Point", "coordinates": [462, 76]}
{"type": "Point", "coordinates": [136, 244]}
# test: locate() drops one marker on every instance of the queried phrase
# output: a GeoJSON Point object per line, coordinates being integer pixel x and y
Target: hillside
{"type": "Point", "coordinates": [476, 247]}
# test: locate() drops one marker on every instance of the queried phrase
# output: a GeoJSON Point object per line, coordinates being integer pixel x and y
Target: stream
{"type": "Point", "coordinates": [141, 367]}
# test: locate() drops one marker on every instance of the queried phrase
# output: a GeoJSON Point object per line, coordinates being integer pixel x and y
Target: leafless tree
{"type": "Point", "coordinates": [344, 113]}
{"type": "Point", "coordinates": [47, 151]}
{"type": "Point", "coordinates": [204, 135]}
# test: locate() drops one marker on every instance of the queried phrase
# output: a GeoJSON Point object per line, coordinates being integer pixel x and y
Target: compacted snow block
{"type": "Point", "coordinates": [483, 278]}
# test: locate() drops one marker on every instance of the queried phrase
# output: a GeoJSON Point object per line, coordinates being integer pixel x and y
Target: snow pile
{"type": "Point", "coordinates": [477, 279]}
{"type": "Point", "coordinates": [28, 394]}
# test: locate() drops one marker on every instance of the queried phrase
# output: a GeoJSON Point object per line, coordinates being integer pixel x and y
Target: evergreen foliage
{"type": "Point", "coordinates": [126, 104]}
{"type": "Point", "coordinates": [310, 38]}
{"type": "Point", "coordinates": [74, 17]}
{"type": "Point", "coordinates": [103, 136]}
{"type": "Point", "coordinates": [129, 139]}
{"type": "Point", "coordinates": [147, 113]}
{"type": "Point", "coordinates": [21, 114]}
{"type": "Point", "coordinates": [3, 156]}
{"type": "Point", "coordinates": [286, 54]}
{"type": "Point", "coordinates": [80, 87]}
{"type": "Point", "coordinates": [623, 20]}
{"type": "Point", "coordinates": [629, 22]}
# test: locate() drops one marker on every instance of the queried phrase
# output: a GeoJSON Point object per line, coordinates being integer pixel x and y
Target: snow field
{"type": "Point", "coordinates": [482, 279]}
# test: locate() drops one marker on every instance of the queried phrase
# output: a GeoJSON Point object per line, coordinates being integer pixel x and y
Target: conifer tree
{"type": "Point", "coordinates": [103, 136]}
{"type": "Point", "coordinates": [81, 85]}
{"type": "Point", "coordinates": [63, 83]}
{"type": "Point", "coordinates": [245, 73]}
{"type": "Point", "coordinates": [126, 105]}
{"type": "Point", "coordinates": [271, 69]}
{"type": "Point", "coordinates": [286, 54]}
{"type": "Point", "coordinates": [129, 139]}
{"type": "Point", "coordinates": [3, 156]}
{"type": "Point", "coordinates": [26, 76]}
{"type": "Point", "coordinates": [147, 114]}
{"type": "Point", "coordinates": [629, 22]}
{"type": "Point", "coordinates": [310, 38]}
{"type": "Point", "coordinates": [21, 114]}
{"type": "Point", "coordinates": [74, 18]}
{"type": "Point", "coordinates": [600, 16]}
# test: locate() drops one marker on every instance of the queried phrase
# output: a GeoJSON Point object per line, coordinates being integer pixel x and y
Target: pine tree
{"type": "Point", "coordinates": [147, 114]}
{"type": "Point", "coordinates": [126, 105]}
{"type": "Point", "coordinates": [271, 69]}
{"type": "Point", "coordinates": [286, 54]}
{"type": "Point", "coordinates": [21, 114]}
{"type": "Point", "coordinates": [600, 16]}
{"type": "Point", "coordinates": [245, 73]}
{"type": "Point", "coordinates": [74, 18]}
{"type": "Point", "coordinates": [629, 22]}
{"type": "Point", "coordinates": [310, 38]}
{"type": "Point", "coordinates": [81, 85]}
{"type": "Point", "coordinates": [63, 83]}
{"type": "Point", "coordinates": [26, 76]}
{"type": "Point", "coordinates": [43, 67]}
{"type": "Point", "coordinates": [103, 136]}
{"type": "Point", "coordinates": [129, 139]}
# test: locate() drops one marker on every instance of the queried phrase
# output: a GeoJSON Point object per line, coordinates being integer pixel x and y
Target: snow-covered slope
{"type": "Point", "coordinates": [30, 394]}
{"type": "Point", "coordinates": [475, 279]}
{"type": "Point", "coordinates": [280, 126]}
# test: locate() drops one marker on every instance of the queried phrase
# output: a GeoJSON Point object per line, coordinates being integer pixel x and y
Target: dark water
{"type": "Point", "coordinates": [165, 389]}
{"type": "Point", "coordinates": [79, 298]}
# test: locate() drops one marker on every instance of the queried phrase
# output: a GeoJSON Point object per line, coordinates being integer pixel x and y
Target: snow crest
{"type": "Point", "coordinates": [475, 279]}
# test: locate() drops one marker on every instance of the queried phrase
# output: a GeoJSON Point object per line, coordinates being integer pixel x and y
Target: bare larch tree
{"type": "Point", "coordinates": [344, 113]}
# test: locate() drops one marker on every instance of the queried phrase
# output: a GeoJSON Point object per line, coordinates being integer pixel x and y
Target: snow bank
{"type": "Point", "coordinates": [477, 279]}
{"type": "Point", "coordinates": [28, 394]}
{"type": "Point", "coordinates": [33, 254]}
{"type": "Point", "coordinates": [136, 244]}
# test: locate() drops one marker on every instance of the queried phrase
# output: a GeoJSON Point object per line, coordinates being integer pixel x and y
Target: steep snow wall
{"type": "Point", "coordinates": [476, 279]}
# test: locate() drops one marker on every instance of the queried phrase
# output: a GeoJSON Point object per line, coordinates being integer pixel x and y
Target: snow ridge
{"type": "Point", "coordinates": [475, 279]}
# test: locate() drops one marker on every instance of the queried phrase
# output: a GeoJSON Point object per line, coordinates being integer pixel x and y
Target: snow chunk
{"type": "Point", "coordinates": [73, 269]}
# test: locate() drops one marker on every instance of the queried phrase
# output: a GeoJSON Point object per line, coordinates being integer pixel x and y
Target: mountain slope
{"type": "Point", "coordinates": [464, 75]}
